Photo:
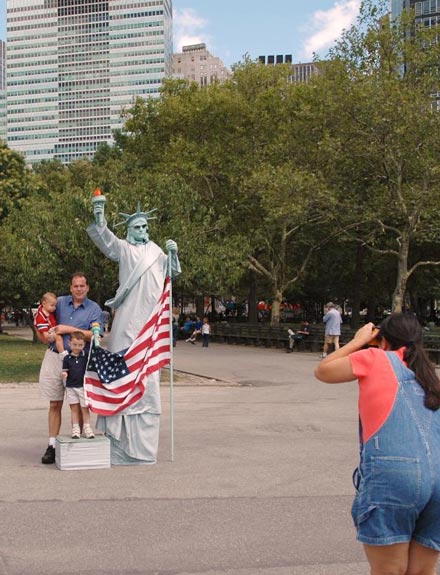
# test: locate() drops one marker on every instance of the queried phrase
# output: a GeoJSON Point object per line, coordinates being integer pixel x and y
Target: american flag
{"type": "Point", "coordinates": [113, 381]}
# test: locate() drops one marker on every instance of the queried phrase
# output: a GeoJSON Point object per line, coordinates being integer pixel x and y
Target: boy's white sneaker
{"type": "Point", "coordinates": [76, 432]}
{"type": "Point", "coordinates": [88, 433]}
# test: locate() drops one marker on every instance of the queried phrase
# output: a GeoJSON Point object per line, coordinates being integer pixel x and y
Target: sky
{"type": "Point", "coordinates": [233, 28]}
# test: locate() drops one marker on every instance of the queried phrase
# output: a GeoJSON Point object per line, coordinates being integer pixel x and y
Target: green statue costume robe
{"type": "Point", "coordinates": [134, 433]}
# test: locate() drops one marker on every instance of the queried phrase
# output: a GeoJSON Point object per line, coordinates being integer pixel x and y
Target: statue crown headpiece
{"type": "Point", "coordinates": [128, 218]}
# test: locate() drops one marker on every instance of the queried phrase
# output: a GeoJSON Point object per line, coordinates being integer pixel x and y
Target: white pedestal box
{"type": "Point", "coordinates": [82, 453]}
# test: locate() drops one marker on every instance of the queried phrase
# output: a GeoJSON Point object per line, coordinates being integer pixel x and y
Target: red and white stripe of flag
{"type": "Point", "coordinates": [149, 352]}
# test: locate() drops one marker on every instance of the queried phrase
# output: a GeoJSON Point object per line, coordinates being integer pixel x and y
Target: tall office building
{"type": "Point", "coordinates": [2, 65]}
{"type": "Point", "coordinates": [73, 65]}
{"type": "Point", "coordinates": [397, 7]}
{"type": "Point", "coordinates": [2, 90]}
{"type": "Point", "coordinates": [427, 12]}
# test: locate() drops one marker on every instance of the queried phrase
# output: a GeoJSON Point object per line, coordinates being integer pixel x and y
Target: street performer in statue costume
{"type": "Point", "coordinates": [143, 266]}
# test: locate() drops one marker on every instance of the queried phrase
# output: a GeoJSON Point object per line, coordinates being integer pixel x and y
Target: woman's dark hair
{"type": "Point", "coordinates": [402, 329]}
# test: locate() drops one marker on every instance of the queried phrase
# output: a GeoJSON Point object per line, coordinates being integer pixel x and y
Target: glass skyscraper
{"type": "Point", "coordinates": [397, 7]}
{"type": "Point", "coordinates": [74, 65]}
{"type": "Point", "coordinates": [2, 90]}
{"type": "Point", "coordinates": [427, 12]}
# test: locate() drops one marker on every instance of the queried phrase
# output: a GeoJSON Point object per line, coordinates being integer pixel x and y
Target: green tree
{"type": "Point", "coordinates": [15, 180]}
{"type": "Point", "coordinates": [380, 137]}
{"type": "Point", "coordinates": [228, 143]}
{"type": "Point", "coordinates": [292, 207]}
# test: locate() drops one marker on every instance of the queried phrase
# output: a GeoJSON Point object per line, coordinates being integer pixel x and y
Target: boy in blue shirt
{"type": "Point", "coordinates": [74, 368]}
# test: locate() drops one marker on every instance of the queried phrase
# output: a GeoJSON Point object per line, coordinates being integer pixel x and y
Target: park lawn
{"type": "Point", "coordinates": [20, 359]}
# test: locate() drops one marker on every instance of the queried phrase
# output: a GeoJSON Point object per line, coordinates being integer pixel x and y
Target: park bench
{"type": "Point", "coordinates": [263, 334]}
{"type": "Point", "coordinates": [431, 344]}
{"type": "Point", "coordinates": [260, 334]}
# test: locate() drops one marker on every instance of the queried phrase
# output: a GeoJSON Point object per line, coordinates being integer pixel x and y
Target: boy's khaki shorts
{"type": "Point", "coordinates": [75, 395]}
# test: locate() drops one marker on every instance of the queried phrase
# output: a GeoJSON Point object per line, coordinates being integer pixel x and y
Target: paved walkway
{"type": "Point", "coordinates": [260, 484]}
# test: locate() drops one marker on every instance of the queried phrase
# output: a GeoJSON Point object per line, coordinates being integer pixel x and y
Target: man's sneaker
{"type": "Point", "coordinates": [76, 432]}
{"type": "Point", "coordinates": [88, 433]}
{"type": "Point", "coordinates": [290, 332]}
{"type": "Point", "coordinates": [49, 456]}
{"type": "Point", "coordinates": [323, 355]}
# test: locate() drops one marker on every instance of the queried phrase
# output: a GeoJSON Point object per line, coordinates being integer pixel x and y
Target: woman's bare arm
{"type": "Point", "coordinates": [336, 367]}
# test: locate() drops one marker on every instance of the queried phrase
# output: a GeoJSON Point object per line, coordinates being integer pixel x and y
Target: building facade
{"type": "Point", "coordinates": [301, 72]}
{"type": "Point", "coordinates": [2, 90]}
{"type": "Point", "coordinates": [278, 59]}
{"type": "Point", "coordinates": [74, 65]}
{"type": "Point", "coordinates": [197, 64]}
{"type": "Point", "coordinates": [2, 65]}
{"type": "Point", "coordinates": [427, 12]}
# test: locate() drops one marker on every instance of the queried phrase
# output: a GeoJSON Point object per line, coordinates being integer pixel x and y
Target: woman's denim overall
{"type": "Point", "coordinates": [398, 478]}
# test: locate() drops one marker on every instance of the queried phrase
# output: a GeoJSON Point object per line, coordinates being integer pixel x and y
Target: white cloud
{"type": "Point", "coordinates": [189, 28]}
{"type": "Point", "coordinates": [325, 26]}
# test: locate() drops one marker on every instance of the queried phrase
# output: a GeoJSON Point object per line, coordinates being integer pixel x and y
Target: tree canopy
{"type": "Point", "coordinates": [327, 189]}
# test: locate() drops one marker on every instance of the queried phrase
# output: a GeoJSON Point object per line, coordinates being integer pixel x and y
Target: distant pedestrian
{"type": "Point", "coordinates": [175, 317]}
{"type": "Point", "coordinates": [298, 335]}
{"type": "Point", "coordinates": [332, 320]}
{"type": "Point", "coordinates": [188, 327]}
{"type": "Point", "coordinates": [197, 331]}
{"type": "Point", "coordinates": [206, 332]}
{"type": "Point", "coordinates": [106, 317]}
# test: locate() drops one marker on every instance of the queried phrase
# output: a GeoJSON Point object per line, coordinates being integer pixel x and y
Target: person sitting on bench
{"type": "Point", "coordinates": [298, 335]}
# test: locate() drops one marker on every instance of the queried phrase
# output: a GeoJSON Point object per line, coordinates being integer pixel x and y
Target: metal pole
{"type": "Point", "coordinates": [171, 362]}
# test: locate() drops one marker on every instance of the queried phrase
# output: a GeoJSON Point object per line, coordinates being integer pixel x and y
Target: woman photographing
{"type": "Point", "coordinates": [396, 509]}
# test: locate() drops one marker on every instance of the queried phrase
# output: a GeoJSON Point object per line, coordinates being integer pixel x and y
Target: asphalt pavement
{"type": "Point", "coordinates": [260, 483]}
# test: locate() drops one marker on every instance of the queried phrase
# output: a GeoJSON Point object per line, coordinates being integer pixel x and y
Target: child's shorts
{"type": "Point", "coordinates": [75, 395]}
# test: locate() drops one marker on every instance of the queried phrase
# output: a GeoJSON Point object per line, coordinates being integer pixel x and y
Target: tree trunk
{"type": "Point", "coordinates": [200, 305]}
{"type": "Point", "coordinates": [402, 276]}
{"type": "Point", "coordinates": [357, 287]}
{"type": "Point", "coordinates": [252, 298]}
{"type": "Point", "coordinates": [213, 310]}
{"type": "Point", "coordinates": [371, 309]}
{"type": "Point", "coordinates": [276, 307]}
{"type": "Point", "coordinates": [432, 310]}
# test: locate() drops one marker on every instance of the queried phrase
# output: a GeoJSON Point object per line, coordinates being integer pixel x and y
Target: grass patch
{"type": "Point", "coordinates": [20, 359]}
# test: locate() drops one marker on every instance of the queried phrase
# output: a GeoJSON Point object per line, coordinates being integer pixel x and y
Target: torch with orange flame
{"type": "Point", "coordinates": [98, 201]}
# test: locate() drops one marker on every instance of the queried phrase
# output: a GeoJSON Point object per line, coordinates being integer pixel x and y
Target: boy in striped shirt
{"type": "Point", "coordinates": [45, 321]}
